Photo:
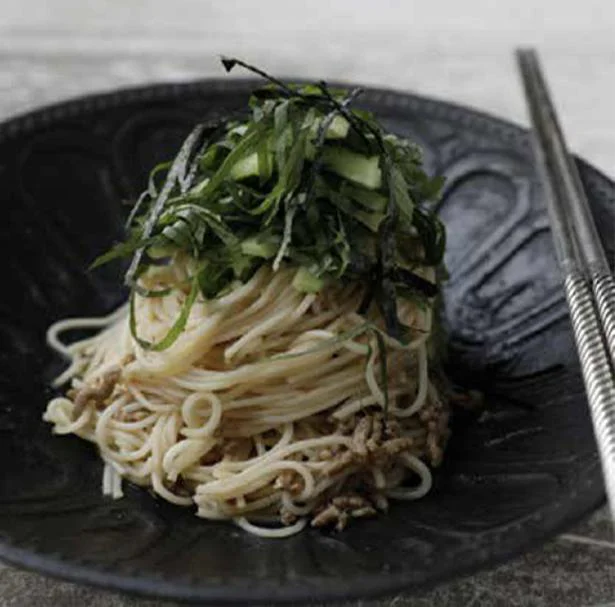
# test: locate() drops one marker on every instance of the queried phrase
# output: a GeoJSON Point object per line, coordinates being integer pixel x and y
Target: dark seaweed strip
{"type": "Point", "coordinates": [176, 172]}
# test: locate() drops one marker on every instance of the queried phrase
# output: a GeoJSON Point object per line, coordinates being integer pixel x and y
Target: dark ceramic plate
{"type": "Point", "coordinates": [518, 474]}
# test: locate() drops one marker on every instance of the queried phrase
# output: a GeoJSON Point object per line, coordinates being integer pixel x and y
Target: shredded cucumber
{"type": "Point", "coordinates": [306, 282]}
{"type": "Point", "coordinates": [364, 170]}
{"type": "Point", "coordinates": [246, 167]}
{"type": "Point", "coordinates": [260, 246]}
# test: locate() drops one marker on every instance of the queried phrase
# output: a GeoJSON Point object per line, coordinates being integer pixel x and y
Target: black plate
{"type": "Point", "coordinates": [513, 477]}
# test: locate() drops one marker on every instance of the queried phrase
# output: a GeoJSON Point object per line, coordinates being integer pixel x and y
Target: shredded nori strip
{"type": "Point", "coordinates": [253, 190]}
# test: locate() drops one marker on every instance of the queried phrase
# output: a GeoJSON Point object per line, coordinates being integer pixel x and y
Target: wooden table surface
{"type": "Point", "coordinates": [454, 50]}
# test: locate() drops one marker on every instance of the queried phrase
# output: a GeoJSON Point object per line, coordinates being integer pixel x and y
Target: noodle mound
{"type": "Point", "coordinates": [268, 410]}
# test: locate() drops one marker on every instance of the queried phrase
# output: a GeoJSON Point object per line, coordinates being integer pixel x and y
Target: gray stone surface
{"type": "Point", "coordinates": [449, 49]}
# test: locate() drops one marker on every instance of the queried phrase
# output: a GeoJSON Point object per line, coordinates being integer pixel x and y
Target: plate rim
{"type": "Point", "coordinates": [53, 565]}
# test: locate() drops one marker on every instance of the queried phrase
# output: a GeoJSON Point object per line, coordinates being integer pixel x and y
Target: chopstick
{"type": "Point", "coordinates": [588, 282]}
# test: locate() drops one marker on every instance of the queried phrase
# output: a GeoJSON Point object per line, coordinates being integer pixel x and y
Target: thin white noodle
{"type": "Point", "coordinates": [268, 532]}
{"type": "Point", "coordinates": [79, 323]}
{"type": "Point", "coordinates": [241, 401]}
{"type": "Point", "coordinates": [414, 493]}
{"type": "Point", "coordinates": [423, 385]}
{"type": "Point", "coordinates": [106, 480]}
{"type": "Point", "coordinates": [291, 506]}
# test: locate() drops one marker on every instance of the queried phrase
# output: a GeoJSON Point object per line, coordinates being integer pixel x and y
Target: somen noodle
{"type": "Point", "coordinates": [275, 398]}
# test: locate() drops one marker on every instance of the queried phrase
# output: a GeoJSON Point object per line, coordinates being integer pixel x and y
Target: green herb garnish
{"type": "Point", "coordinates": [305, 181]}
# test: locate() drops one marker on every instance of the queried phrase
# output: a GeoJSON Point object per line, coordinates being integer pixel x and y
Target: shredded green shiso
{"type": "Point", "coordinates": [303, 180]}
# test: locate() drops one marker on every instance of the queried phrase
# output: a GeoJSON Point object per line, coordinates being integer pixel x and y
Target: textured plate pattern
{"type": "Point", "coordinates": [513, 476]}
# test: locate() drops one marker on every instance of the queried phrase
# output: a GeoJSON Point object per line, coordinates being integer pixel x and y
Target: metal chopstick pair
{"type": "Point", "coordinates": [588, 281]}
